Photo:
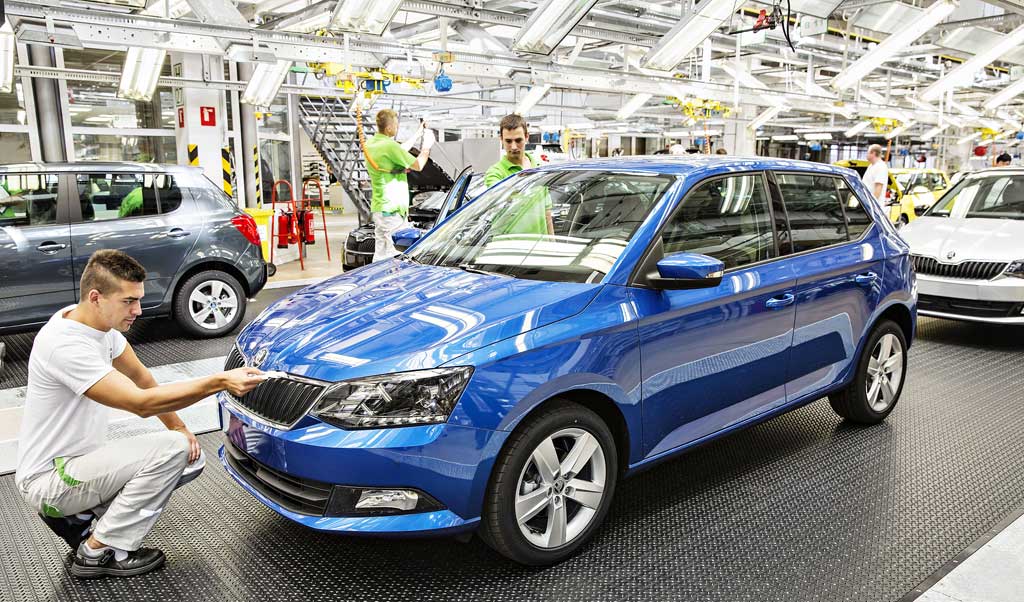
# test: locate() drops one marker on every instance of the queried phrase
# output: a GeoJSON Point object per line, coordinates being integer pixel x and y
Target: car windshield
{"type": "Point", "coordinates": [557, 226]}
{"type": "Point", "coordinates": [904, 181]}
{"type": "Point", "coordinates": [995, 197]}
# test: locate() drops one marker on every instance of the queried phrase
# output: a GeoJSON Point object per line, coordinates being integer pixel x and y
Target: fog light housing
{"type": "Point", "coordinates": [377, 501]}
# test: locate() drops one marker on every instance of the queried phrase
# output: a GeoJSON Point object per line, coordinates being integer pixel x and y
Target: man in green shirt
{"type": "Point", "coordinates": [387, 162]}
{"type": "Point", "coordinates": [531, 213]}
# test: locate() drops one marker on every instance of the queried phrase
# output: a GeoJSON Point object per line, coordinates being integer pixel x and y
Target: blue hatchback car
{"type": "Point", "coordinates": [573, 324]}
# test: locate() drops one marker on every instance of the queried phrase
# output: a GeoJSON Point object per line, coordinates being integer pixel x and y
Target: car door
{"type": "Point", "coordinates": [37, 278]}
{"type": "Point", "coordinates": [456, 196]}
{"type": "Point", "coordinates": [714, 357]}
{"type": "Point", "coordinates": [838, 259]}
{"type": "Point", "coordinates": [146, 215]}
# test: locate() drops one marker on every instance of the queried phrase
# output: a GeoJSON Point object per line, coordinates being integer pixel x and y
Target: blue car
{"type": "Point", "coordinates": [574, 324]}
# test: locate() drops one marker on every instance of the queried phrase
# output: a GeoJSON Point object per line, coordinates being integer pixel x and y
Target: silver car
{"type": "Point", "coordinates": [968, 250]}
{"type": "Point", "coordinates": [201, 253]}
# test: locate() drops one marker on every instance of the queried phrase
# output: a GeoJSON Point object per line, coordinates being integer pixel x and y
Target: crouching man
{"type": "Point", "coordinates": [80, 366]}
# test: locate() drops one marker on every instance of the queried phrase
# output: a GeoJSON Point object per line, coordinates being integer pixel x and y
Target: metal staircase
{"type": "Point", "coordinates": [332, 128]}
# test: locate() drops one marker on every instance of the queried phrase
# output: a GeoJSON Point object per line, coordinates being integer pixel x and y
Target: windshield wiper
{"type": "Point", "coordinates": [469, 268]}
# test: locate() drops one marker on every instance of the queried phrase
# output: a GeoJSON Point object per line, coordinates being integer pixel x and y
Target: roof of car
{"type": "Point", "coordinates": [90, 166]}
{"type": "Point", "coordinates": [693, 164]}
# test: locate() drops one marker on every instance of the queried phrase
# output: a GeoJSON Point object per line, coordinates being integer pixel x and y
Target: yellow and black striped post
{"type": "Point", "coordinates": [256, 175]}
{"type": "Point", "coordinates": [193, 155]}
{"type": "Point", "coordinates": [227, 171]}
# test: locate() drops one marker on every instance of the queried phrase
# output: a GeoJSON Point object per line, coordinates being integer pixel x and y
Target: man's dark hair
{"type": "Point", "coordinates": [1004, 158]}
{"type": "Point", "coordinates": [511, 122]}
{"type": "Point", "coordinates": [693, 150]}
{"type": "Point", "coordinates": [107, 268]}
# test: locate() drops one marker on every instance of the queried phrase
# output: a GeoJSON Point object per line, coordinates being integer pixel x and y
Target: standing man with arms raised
{"type": "Point", "coordinates": [387, 162]}
{"type": "Point", "coordinates": [876, 178]}
{"type": "Point", "coordinates": [80, 366]}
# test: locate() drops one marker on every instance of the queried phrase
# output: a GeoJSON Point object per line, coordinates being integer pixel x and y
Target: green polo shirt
{"type": "Point", "coordinates": [131, 204]}
{"type": "Point", "coordinates": [504, 168]}
{"type": "Point", "coordinates": [390, 189]}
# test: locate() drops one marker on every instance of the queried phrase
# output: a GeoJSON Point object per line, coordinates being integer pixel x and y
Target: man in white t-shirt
{"type": "Point", "coordinates": [80, 366]}
{"type": "Point", "coordinates": [876, 178]}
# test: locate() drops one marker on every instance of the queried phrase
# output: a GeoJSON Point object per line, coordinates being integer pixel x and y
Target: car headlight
{"type": "Point", "coordinates": [400, 399]}
{"type": "Point", "coordinates": [1015, 269]}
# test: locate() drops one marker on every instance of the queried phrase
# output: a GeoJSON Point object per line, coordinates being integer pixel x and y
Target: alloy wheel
{"type": "Point", "coordinates": [213, 304]}
{"type": "Point", "coordinates": [885, 372]}
{"type": "Point", "coordinates": [561, 488]}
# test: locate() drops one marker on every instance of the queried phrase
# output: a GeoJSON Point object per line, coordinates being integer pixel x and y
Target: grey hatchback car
{"type": "Point", "coordinates": [201, 253]}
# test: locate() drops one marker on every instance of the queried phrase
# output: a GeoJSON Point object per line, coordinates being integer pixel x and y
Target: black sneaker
{"type": "Point", "coordinates": [138, 562]}
{"type": "Point", "coordinates": [69, 528]}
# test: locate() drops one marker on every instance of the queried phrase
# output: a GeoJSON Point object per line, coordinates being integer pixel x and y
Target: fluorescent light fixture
{"type": "Point", "coordinates": [922, 105]}
{"type": "Point", "coordinates": [689, 33]}
{"type": "Point", "coordinates": [887, 49]}
{"type": "Point", "coordinates": [140, 73]}
{"type": "Point", "coordinates": [985, 142]}
{"type": "Point", "coordinates": [899, 131]}
{"type": "Point", "coordinates": [818, 136]}
{"type": "Point", "coordinates": [1005, 95]}
{"type": "Point", "coordinates": [935, 131]}
{"type": "Point", "coordinates": [579, 126]}
{"type": "Point", "coordinates": [872, 96]}
{"type": "Point", "coordinates": [964, 74]}
{"type": "Point", "coordinates": [265, 82]}
{"type": "Point", "coordinates": [964, 108]}
{"type": "Point", "coordinates": [532, 97]}
{"type": "Point", "coordinates": [765, 116]}
{"type": "Point", "coordinates": [364, 16]}
{"type": "Point", "coordinates": [973, 136]}
{"type": "Point", "coordinates": [677, 134]}
{"type": "Point", "coordinates": [549, 25]}
{"type": "Point", "coordinates": [633, 105]}
{"type": "Point", "coordinates": [860, 127]}
{"type": "Point", "coordinates": [786, 138]}
{"type": "Point", "coordinates": [6, 58]}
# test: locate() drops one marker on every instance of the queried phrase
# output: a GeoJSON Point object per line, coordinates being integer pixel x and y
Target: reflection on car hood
{"type": "Point", "coordinates": [396, 316]}
{"type": "Point", "coordinates": [978, 239]}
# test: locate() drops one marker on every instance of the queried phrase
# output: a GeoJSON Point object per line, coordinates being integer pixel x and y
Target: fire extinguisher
{"type": "Point", "coordinates": [284, 230]}
{"type": "Point", "coordinates": [306, 226]}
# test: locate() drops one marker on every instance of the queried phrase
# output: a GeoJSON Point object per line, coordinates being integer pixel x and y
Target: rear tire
{"type": "Point", "coordinates": [551, 486]}
{"type": "Point", "coordinates": [878, 381]}
{"type": "Point", "coordinates": [210, 304]}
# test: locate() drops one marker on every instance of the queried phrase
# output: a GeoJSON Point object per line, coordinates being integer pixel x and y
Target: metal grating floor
{"type": "Point", "coordinates": [799, 508]}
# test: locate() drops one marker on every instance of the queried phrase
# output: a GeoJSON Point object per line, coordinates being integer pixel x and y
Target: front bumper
{"type": "Point", "coordinates": [999, 301]}
{"type": "Point", "coordinates": [449, 463]}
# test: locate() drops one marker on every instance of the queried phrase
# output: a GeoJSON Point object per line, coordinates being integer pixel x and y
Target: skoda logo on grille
{"type": "Point", "coordinates": [260, 357]}
{"type": "Point", "coordinates": [951, 255]}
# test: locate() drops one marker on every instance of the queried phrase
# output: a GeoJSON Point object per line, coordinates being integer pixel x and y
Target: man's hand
{"type": "Point", "coordinates": [240, 381]}
{"type": "Point", "coordinates": [193, 443]}
{"type": "Point", "coordinates": [428, 140]}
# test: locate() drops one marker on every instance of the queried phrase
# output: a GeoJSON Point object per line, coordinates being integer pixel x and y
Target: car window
{"type": "Point", "coordinates": [28, 199]}
{"type": "Point", "coordinates": [906, 182]}
{"type": "Point", "coordinates": [724, 218]}
{"type": "Point", "coordinates": [558, 226]}
{"type": "Point", "coordinates": [857, 218]}
{"type": "Point", "coordinates": [936, 182]}
{"type": "Point", "coordinates": [995, 197]}
{"type": "Point", "coordinates": [816, 217]}
{"type": "Point", "coordinates": [107, 196]}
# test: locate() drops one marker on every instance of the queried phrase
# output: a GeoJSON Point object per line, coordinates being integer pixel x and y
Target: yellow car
{"type": "Point", "coordinates": [910, 191]}
{"type": "Point", "coordinates": [923, 186]}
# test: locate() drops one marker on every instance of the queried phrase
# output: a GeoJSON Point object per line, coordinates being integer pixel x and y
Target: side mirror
{"type": "Point", "coordinates": [406, 237]}
{"type": "Point", "coordinates": [688, 270]}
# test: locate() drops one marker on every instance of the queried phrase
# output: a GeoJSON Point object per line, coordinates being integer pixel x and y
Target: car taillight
{"type": "Point", "coordinates": [247, 226]}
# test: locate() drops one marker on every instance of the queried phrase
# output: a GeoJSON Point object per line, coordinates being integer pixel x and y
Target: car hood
{"type": "Point", "coordinates": [394, 316]}
{"type": "Point", "coordinates": [978, 239]}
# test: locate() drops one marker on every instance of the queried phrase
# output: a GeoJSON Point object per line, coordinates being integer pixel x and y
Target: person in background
{"type": "Point", "coordinates": [80, 366]}
{"type": "Point", "coordinates": [692, 150]}
{"type": "Point", "coordinates": [532, 215]}
{"type": "Point", "coordinates": [1004, 160]}
{"type": "Point", "coordinates": [387, 162]}
{"type": "Point", "coordinates": [876, 177]}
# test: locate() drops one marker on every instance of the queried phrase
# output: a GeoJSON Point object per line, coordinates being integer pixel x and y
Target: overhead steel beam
{"type": "Point", "coordinates": [1013, 6]}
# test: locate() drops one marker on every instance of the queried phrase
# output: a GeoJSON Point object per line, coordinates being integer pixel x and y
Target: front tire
{"type": "Point", "coordinates": [551, 486]}
{"type": "Point", "coordinates": [878, 382]}
{"type": "Point", "coordinates": [210, 304]}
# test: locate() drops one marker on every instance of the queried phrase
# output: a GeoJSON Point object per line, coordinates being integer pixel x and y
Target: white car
{"type": "Point", "coordinates": [968, 250]}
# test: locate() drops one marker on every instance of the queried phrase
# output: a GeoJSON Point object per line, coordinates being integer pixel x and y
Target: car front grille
{"type": "Point", "coordinates": [968, 270]}
{"type": "Point", "coordinates": [304, 496]}
{"type": "Point", "coordinates": [969, 307]}
{"type": "Point", "coordinates": [280, 402]}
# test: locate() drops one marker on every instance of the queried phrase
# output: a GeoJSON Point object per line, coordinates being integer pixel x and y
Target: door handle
{"type": "Point", "coordinates": [49, 247]}
{"type": "Point", "coordinates": [177, 233]}
{"type": "Point", "coordinates": [780, 302]}
{"type": "Point", "coordinates": [866, 279]}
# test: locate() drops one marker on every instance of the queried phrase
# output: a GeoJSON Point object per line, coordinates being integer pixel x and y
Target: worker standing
{"type": "Point", "coordinates": [876, 178]}
{"type": "Point", "coordinates": [387, 162]}
{"type": "Point", "coordinates": [528, 215]}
